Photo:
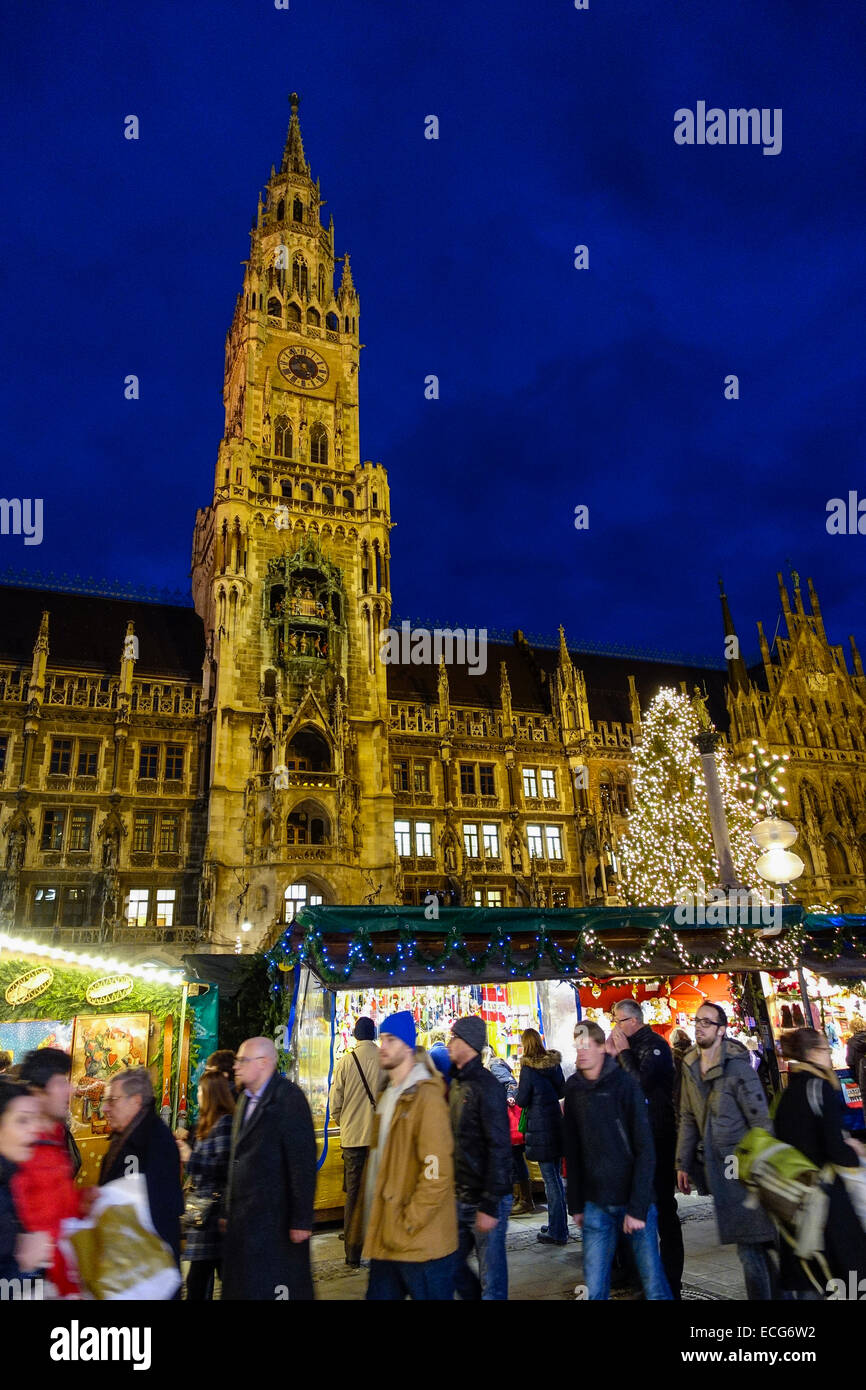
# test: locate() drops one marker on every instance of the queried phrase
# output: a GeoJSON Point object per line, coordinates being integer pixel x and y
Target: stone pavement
{"type": "Point", "coordinates": [551, 1272]}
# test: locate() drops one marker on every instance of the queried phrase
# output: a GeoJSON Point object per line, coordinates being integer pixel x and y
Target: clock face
{"type": "Point", "coordinates": [303, 367]}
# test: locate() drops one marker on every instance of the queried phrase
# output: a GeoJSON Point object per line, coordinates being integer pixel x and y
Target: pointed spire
{"type": "Point", "coordinates": [816, 610]}
{"type": "Point", "coordinates": [783, 595]}
{"type": "Point", "coordinates": [347, 289]}
{"type": "Point", "coordinates": [634, 706]}
{"type": "Point", "coordinates": [444, 693]}
{"type": "Point", "coordinates": [738, 676]}
{"type": "Point", "coordinates": [505, 693]}
{"type": "Point", "coordinates": [564, 658]}
{"type": "Point", "coordinates": [40, 661]}
{"type": "Point", "coordinates": [855, 655]}
{"type": "Point", "coordinates": [294, 160]}
{"type": "Point", "coordinates": [765, 650]}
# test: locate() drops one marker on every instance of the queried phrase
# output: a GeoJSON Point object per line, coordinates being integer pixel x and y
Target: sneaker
{"type": "Point", "coordinates": [549, 1240]}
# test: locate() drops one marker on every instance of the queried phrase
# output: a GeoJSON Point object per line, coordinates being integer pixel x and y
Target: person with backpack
{"type": "Point", "coordinates": [721, 1098]}
{"type": "Point", "coordinates": [358, 1080]}
{"type": "Point", "coordinates": [539, 1091]}
{"type": "Point", "coordinates": [809, 1118]}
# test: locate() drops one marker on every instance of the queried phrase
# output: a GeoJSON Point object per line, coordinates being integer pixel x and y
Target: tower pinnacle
{"type": "Point", "coordinates": [294, 160]}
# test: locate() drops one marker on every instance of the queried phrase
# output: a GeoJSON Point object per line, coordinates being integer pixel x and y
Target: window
{"type": "Point", "coordinates": [4, 747]}
{"type": "Point", "coordinates": [80, 830]}
{"type": "Point", "coordinates": [476, 898]}
{"type": "Point", "coordinates": [605, 793]}
{"type": "Point", "coordinates": [318, 444]}
{"type": "Point", "coordinates": [494, 897]}
{"type": "Point", "coordinates": [530, 785]}
{"type": "Point", "coordinates": [136, 907]}
{"type": "Point", "coordinates": [165, 907]}
{"type": "Point", "coordinates": [560, 897]}
{"type": "Point", "coordinates": [423, 838]}
{"type": "Point", "coordinates": [44, 906]}
{"type": "Point", "coordinates": [142, 833]}
{"type": "Point", "coordinates": [403, 838]}
{"type": "Point", "coordinates": [275, 308]}
{"type": "Point", "coordinates": [174, 762]}
{"type": "Point", "coordinates": [470, 841]}
{"type": "Point", "coordinates": [467, 779]}
{"type": "Point", "coordinates": [535, 841]}
{"type": "Point", "coordinates": [297, 211]}
{"type": "Point", "coordinates": [421, 773]}
{"type": "Point", "coordinates": [52, 830]}
{"type": "Point", "coordinates": [487, 778]}
{"type": "Point", "coordinates": [169, 834]}
{"type": "Point", "coordinates": [61, 756]}
{"type": "Point", "coordinates": [548, 783]}
{"type": "Point", "coordinates": [74, 903]}
{"type": "Point", "coordinates": [490, 836]}
{"type": "Point", "coordinates": [296, 897]}
{"type": "Point", "coordinates": [401, 775]}
{"type": "Point", "coordinates": [553, 835]}
{"type": "Point", "coordinates": [148, 760]}
{"type": "Point", "coordinates": [88, 758]}
{"type": "Point", "coordinates": [282, 438]}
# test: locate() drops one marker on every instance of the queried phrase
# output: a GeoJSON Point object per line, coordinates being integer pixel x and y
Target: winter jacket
{"type": "Point", "coordinates": [208, 1168]}
{"type": "Point", "coordinates": [503, 1073]}
{"type": "Point", "coordinates": [716, 1110]}
{"type": "Point", "coordinates": [413, 1212]}
{"type": "Point", "coordinates": [10, 1226]}
{"type": "Point", "coordinates": [539, 1092]}
{"type": "Point", "coordinates": [45, 1194]}
{"type": "Point", "coordinates": [609, 1152]}
{"type": "Point", "coordinates": [482, 1138]}
{"type": "Point", "coordinates": [151, 1144]}
{"type": "Point", "coordinates": [648, 1058]}
{"type": "Point", "coordinates": [809, 1116]}
{"type": "Point", "coordinates": [350, 1105]}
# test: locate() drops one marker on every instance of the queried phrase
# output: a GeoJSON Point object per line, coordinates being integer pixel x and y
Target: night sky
{"type": "Point", "coordinates": [559, 387]}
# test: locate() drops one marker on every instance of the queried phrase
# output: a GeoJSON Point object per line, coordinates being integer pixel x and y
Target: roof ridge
{"type": "Point", "coordinates": [94, 588]}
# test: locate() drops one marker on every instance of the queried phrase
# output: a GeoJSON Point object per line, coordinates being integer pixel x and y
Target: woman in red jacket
{"type": "Point", "coordinates": [44, 1187]}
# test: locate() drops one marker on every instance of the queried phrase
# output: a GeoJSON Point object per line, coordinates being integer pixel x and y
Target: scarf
{"type": "Point", "coordinates": [824, 1073]}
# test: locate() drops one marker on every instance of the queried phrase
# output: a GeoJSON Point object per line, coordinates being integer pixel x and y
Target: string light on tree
{"type": "Point", "coordinates": [668, 848]}
{"type": "Point", "coordinates": [761, 775]}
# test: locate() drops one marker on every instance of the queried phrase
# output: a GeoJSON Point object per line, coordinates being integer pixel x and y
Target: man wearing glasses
{"type": "Point", "coordinates": [720, 1099]}
{"type": "Point", "coordinates": [271, 1183]}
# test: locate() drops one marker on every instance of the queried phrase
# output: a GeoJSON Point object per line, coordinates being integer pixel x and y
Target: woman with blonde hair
{"type": "Point", "coordinates": [539, 1091]}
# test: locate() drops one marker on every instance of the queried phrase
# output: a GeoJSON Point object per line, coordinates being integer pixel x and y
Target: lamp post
{"type": "Point", "coordinates": [780, 866]}
{"type": "Point", "coordinates": [706, 743]}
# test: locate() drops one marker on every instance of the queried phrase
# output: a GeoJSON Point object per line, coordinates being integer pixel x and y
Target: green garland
{"type": "Point", "coordinates": [768, 952]}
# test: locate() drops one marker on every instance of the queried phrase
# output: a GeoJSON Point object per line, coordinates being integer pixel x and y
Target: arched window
{"type": "Point", "coordinates": [313, 316]}
{"type": "Point", "coordinates": [297, 211]}
{"type": "Point", "coordinates": [836, 861]}
{"type": "Point", "coordinates": [293, 314]}
{"type": "Point", "coordinates": [264, 483]}
{"type": "Point", "coordinates": [321, 282]}
{"type": "Point", "coordinates": [275, 309]}
{"type": "Point", "coordinates": [296, 896]}
{"type": "Point", "coordinates": [346, 322]}
{"type": "Point", "coordinates": [332, 322]}
{"type": "Point", "coordinates": [318, 444]}
{"type": "Point", "coordinates": [605, 791]}
{"type": "Point", "coordinates": [299, 275]}
{"type": "Point", "coordinates": [283, 437]}
{"type": "Point", "coordinates": [307, 492]}
{"type": "Point", "coordinates": [270, 684]}
{"type": "Point", "coordinates": [281, 210]}
{"type": "Point", "coordinates": [328, 496]}
{"type": "Point", "coordinates": [348, 499]}
{"type": "Point", "coordinates": [286, 489]}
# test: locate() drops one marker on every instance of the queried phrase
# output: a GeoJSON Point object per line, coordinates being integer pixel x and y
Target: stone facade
{"type": "Point", "coordinates": [170, 777]}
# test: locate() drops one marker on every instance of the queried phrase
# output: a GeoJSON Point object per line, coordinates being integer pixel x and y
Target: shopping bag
{"type": "Point", "coordinates": [790, 1188]}
{"type": "Point", "coordinates": [116, 1249]}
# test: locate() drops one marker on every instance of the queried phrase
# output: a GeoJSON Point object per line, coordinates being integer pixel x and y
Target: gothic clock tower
{"type": "Point", "coordinates": [290, 573]}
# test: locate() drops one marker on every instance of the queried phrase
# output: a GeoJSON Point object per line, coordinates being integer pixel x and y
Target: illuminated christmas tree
{"type": "Point", "coordinates": [667, 850]}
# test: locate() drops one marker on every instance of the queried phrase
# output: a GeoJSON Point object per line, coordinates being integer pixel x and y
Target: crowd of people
{"type": "Point", "coordinates": [435, 1148]}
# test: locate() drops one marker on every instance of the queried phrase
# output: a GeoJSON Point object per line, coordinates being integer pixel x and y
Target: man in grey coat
{"type": "Point", "coordinates": [355, 1090]}
{"type": "Point", "coordinates": [721, 1099]}
{"type": "Point", "coordinates": [271, 1183]}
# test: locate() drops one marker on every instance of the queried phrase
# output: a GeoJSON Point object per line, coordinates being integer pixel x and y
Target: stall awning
{"type": "Point", "coordinates": [362, 946]}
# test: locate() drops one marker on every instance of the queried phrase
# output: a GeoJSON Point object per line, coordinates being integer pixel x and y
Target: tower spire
{"type": "Point", "coordinates": [737, 673]}
{"type": "Point", "coordinates": [294, 159]}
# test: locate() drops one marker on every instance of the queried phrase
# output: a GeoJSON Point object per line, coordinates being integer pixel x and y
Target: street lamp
{"type": "Point", "coordinates": [778, 864]}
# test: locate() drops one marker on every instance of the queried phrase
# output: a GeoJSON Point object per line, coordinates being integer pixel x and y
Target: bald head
{"type": "Point", "coordinates": [255, 1063]}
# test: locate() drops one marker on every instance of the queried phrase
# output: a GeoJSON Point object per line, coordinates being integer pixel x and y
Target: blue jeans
{"type": "Point", "coordinates": [557, 1216]}
{"type": "Point", "coordinates": [401, 1279]}
{"type": "Point", "coordinates": [601, 1231]}
{"type": "Point", "coordinates": [491, 1282]}
{"type": "Point", "coordinates": [757, 1272]}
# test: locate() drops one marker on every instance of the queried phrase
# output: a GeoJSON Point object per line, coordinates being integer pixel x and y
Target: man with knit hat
{"type": "Point", "coordinates": [358, 1080]}
{"type": "Point", "coordinates": [482, 1164]}
{"type": "Point", "coordinates": [409, 1204]}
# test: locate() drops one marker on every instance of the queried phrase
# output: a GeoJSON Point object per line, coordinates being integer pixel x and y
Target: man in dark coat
{"type": "Point", "coordinates": [482, 1164]}
{"type": "Point", "coordinates": [648, 1058]}
{"type": "Point", "coordinates": [271, 1183]}
{"type": "Point", "coordinates": [141, 1143]}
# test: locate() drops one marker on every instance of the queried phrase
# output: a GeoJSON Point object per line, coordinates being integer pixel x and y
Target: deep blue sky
{"type": "Point", "coordinates": [558, 387]}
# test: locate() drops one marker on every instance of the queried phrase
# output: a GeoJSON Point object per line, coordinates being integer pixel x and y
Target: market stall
{"type": "Point", "coordinates": [110, 1016]}
{"type": "Point", "coordinates": [519, 968]}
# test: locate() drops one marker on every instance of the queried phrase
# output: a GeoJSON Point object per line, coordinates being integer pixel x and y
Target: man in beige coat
{"type": "Point", "coordinates": [410, 1207]}
{"type": "Point", "coordinates": [358, 1081]}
